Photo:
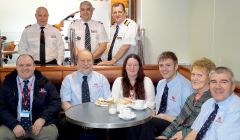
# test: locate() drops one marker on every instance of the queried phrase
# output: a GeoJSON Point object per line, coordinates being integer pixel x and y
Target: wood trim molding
{"type": "Point", "coordinates": [57, 73]}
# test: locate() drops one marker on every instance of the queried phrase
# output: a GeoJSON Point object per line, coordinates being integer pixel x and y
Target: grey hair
{"type": "Point", "coordinates": [88, 3]}
{"type": "Point", "coordinates": [220, 70]}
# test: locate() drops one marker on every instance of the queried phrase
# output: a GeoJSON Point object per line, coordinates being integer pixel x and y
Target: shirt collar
{"type": "Point", "coordinates": [39, 27]}
{"type": "Point", "coordinates": [81, 74]}
{"type": "Point", "coordinates": [173, 81]}
{"type": "Point", "coordinates": [21, 80]}
{"type": "Point", "coordinates": [224, 103]}
{"type": "Point", "coordinates": [88, 22]}
{"type": "Point", "coordinates": [122, 23]}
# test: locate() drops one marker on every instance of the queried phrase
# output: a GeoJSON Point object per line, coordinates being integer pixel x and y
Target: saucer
{"type": "Point", "coordinates": [130, 117]}
{"type": "Point", "coordinates": [138, 108]}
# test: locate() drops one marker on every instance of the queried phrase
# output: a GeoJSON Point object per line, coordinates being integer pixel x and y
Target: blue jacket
{"type": "Point", "coordinates": [45, 105]}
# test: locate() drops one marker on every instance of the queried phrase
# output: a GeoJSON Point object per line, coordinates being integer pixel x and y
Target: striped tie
{"type": "Point", "coordinates": [112, 44]}
{"type": "Point", "coordinates": [207, 124]}
{"type": "Point", "coordinates": [87, 38]}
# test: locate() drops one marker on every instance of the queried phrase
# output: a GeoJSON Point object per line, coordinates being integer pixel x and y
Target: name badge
{"type": "Point", "coordinates": [24, 113]}
{"type": "Point", "coordinates": [119, 37]}
{"type": "Point", "coordinates": [53, 36]}
{"type": "Point", "coordinates": [93, 31]}
{"type": "Point", "coordinates": [78, 38]}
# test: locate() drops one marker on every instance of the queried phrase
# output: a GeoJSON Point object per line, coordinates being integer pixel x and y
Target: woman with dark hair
{"type": "Point", "coordinates": [134, 84]}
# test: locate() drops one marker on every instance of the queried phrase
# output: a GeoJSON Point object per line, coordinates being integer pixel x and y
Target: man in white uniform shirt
{"type": "Point", "coordinates": [98, 35]}
{"type": "Point", "coordinates": [53, 43]}
{"type": "Point", "coordinates": [123, 37]}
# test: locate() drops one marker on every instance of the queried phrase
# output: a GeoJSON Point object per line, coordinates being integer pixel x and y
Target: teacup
{"type": "Point", "coordinates": [139, 103]}
{"type": "Point", "coordinates": [120, 107]}
{"type": "Point", "coordinates": [125, 112]}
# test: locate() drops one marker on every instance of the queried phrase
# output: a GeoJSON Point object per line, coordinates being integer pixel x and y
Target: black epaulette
{"type": "Point", "coordinates": [73, 21]}
{"type": "Point", "coordinates": [126, 22]}
{"type": "Point", "coordinates": [28, 26]}
{"type": "Point", "coordinates": [100, 22]}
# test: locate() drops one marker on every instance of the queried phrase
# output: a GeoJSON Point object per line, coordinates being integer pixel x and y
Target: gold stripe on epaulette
{"type": "Point", "coordinates": [126, 23]}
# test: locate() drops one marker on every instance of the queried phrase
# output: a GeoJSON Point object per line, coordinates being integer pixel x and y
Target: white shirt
{"type": "Point", "coordinates": [30, 43]}
{"type": "Point", "coordinates": [97, 32]}
{"type": "Point", "coordinates": [127, 34]}
{"type": "Point", "coordinates": [117, 91]}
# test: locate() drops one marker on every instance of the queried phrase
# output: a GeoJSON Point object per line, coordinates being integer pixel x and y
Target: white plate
{"type": "Point", "coordinates": [132, 116]}
{"type": "Point", "coordinates": [137, 108]}
{"type": "Point", "coordinates": [101, 104]}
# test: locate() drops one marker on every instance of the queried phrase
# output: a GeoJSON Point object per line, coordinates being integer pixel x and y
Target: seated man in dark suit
{"type": "Point", "coordinates": [29, 104]}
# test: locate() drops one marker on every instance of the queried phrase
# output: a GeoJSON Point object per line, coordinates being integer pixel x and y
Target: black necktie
{"type": "Point", "coordinates": [163, 105]}
{"type": "Point", "coordinates": [112, 44]}
{"type": "Point", "coordinates": [25, 121]}
{"type": "Point", "coordinates": [85, 90]}
{"type": "Point", "coordinates": [87, 38]}
{"type": "Point", "coordinates": [42, 47]}
{"type": "Point", "coordinates": [207, 124]}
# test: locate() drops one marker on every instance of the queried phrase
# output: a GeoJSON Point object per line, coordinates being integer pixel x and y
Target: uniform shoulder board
{"type": "Point", "coordinates": [28, 26]}
{"type": "Point", "coordinates": [100, 22]}
{"type": "Point", "coordinates": [74, 21]}
{"type": "Point", "coordinates": [126, 22]}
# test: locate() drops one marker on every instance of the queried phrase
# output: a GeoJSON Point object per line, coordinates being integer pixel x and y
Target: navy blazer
{"type": "Point", "coordinates": [46, 100]}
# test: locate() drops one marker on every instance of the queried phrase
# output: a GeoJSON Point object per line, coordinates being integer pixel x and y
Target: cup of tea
{"type": "Point", "coordinates": [139, 103]}
{"type": "Point", "coordinates": [125, 112]}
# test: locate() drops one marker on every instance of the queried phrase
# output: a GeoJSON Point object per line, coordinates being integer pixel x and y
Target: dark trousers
{"type": "Point", "coordinates": [117, 134]}
{"type": "Point", "coordinates": [69, 131]}
{"type": "Point", "coordinates": [53, 62]}
{"type": "Point", "coordinates": [148, 130]}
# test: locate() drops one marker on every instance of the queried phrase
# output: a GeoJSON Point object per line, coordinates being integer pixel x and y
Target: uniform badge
{"type": "Point", "coordinates": [96, 85]}
{"type": "Point", "coordinates": [173, 99]}
{"type": "Point", "coordinates": [42, 91]}
{"type": "Point", "coordinates": [219, 119]}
